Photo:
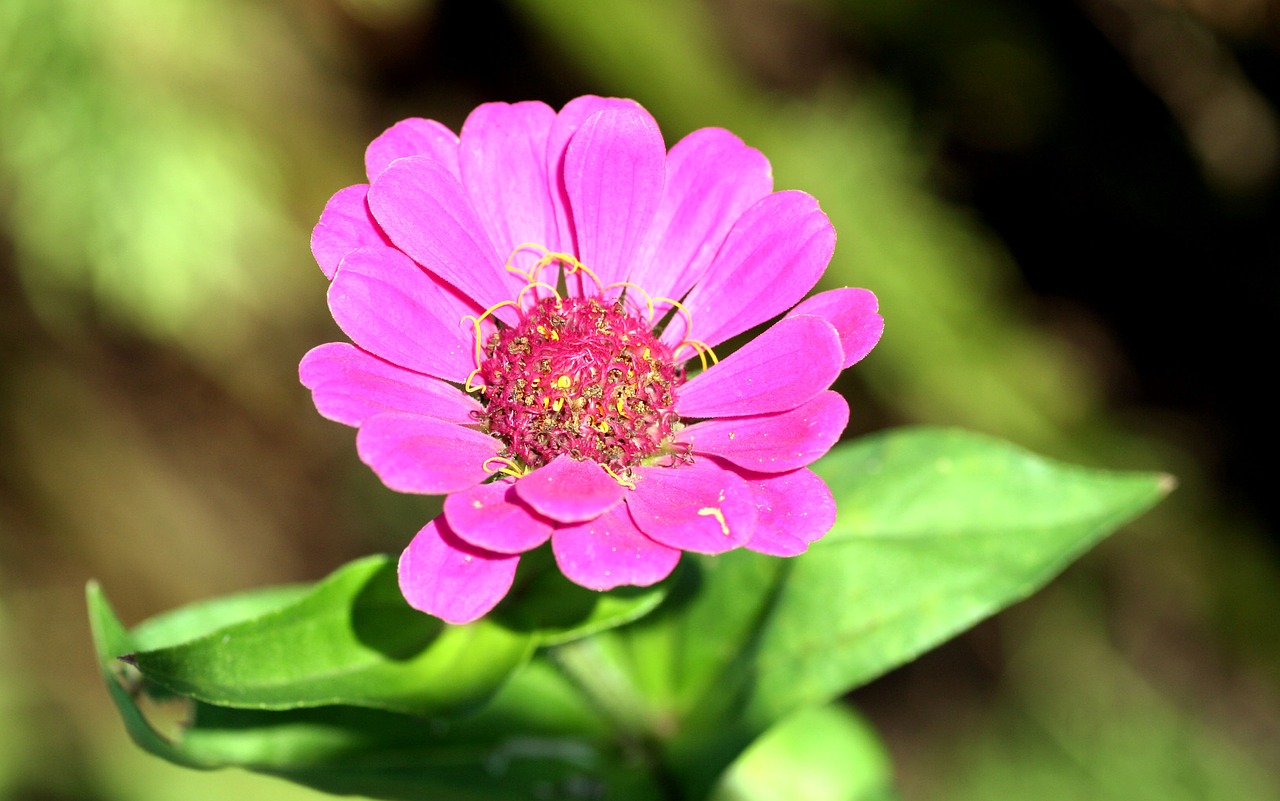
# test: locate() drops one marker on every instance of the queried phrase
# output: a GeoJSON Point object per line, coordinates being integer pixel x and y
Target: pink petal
{"type": "Point", "coordinates": [456, 582]}
{"type": "Point", "coordinates": [712, 178]}
{"type": "Point", "coordinates": [776, 542]}
{"type": "Point", "coordinates": [773, 443]}
{"type": "Point", "coordinates": [853, 313]}
{"type": "Point", "coordinates": [427, 214]}
{"type": "Point", "coordinates": [349, 386]}
{"type": "Point", "coordinates": [411, 453]}
{"type": "Point", "coordinates": [491, 516]}
{"type": "Point", "coordinates": [609, 552]}
{"type": "Point", "coordinates": [773, 256]}
{"type": "Point", "coordinates": [394, 309]}
{"type": "Point", "coordinates": [412, 137]}
{"type": "Point", "coordinates": [574, 113]}
{"type": "Point", "coordinates": [503, 159]}
{"type": "Point", "coordinates": [698, 507]}
{"type": "Point", "coordinates": [786, 366]}
{"type": "Point", "coordinates": [345, 224]}
{"type": "Point", "coordinates": [570, 491]}
{"type": "Point", "coordinates": [795, 509]}
{"type": "Point", "coordinates": [614, 170]}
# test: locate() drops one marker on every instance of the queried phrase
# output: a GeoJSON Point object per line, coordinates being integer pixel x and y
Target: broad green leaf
{"type": "Point", "coordinates": [196, 620]}
{"type": "Point", "coordinates": [350, 640]}
{"type": "Point", "coordinates": [936, 530]}
{"type": "Point", "coordinates": [823, 754]}
{"type": "Point", "coordinates": [313, 684]}
{"type": "Point", "coordinates": [110, 639]}
{"type": "Point", "coordinates": [537, 736]}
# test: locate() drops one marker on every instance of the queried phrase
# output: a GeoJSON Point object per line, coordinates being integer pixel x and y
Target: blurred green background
{"type": "Point", "coordinates": [1068, 210]}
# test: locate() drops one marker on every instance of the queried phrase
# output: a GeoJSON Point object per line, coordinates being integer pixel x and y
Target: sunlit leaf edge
{"type": "Point", "coordinates": [178, 667]}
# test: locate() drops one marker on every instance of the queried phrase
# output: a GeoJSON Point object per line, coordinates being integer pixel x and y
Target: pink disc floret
{"type": "Point", "coordinates": [579, 377]}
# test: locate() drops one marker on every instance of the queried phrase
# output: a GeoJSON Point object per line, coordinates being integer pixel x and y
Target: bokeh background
{"type": "Point", "coordinates": [1069, 211]}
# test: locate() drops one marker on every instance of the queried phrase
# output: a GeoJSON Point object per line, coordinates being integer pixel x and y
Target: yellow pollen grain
{"type": "Point", "coordinates": [712, 511]}
{"type": "Point", "coordinates": [564, 382]}
{"type": "Point", "coordinates": [557, 404]}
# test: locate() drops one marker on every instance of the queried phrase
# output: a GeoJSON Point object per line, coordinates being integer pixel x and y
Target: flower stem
{"type": "Point", "coordinates": [602, 681]}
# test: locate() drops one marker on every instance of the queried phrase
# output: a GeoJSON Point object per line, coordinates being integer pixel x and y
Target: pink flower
{"type": "Point", "coordinates": [534, 307]}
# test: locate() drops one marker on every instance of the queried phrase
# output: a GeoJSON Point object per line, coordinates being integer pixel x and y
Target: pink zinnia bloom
{"type": "Point", "coordinates": [534, 307]}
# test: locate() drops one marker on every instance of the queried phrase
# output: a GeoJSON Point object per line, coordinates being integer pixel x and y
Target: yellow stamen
{"type": "Point", "coordinates": [475, 324]}
{"type": "Point", "coordinates": [680, 307]}
{"type": "Point", "coordinates": [626, 481]}
{"type": "Point", "coordinates": [701, 348]}
{"type": "Point", "coordinates": [648, 299]}
{"type": "Point", "coordinates": [535, 285]}
{"type": "Point", "coordinates": [529, 276]}
{"type": "Point", "coordinates": [547, 258]}
{"type": "Point", "coordinates": [509, 467]}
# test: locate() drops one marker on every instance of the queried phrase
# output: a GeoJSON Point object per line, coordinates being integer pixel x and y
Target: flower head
{"type": "Point", "coordinates": [535, 307]}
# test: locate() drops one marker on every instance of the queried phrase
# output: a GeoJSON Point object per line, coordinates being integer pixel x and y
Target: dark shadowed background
{"type": "Point", "coordinates": [1069, 211]}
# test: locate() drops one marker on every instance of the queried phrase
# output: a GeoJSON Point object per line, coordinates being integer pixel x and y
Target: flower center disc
{"type": "Point", "coordinates": [582, 378]}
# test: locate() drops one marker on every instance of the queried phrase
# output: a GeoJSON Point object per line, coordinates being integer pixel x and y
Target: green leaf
{"type": "Point", "coordinates": [111, 639]}
{"type": "Point", "coordinates": [325, 685]}
{"type": "Point", "coordinates": [197, 620]}
{"type": "Point", "coordinates": [316, 683]}
{"type": "Point", "coordinates": [824, 754]}
{"type": "Point", "coordinates": [936, 530]}
{"type": "Point", "coordinates": [536, 737]}
{"type": "Point", "coordinates": [349, 640]}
